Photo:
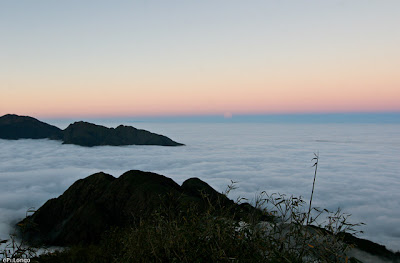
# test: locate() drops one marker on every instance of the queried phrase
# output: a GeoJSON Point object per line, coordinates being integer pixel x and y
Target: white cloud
{"type": "Point", "coordinates": [358, 169]}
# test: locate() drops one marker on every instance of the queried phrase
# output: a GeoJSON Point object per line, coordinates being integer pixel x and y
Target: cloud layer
{"type": "Point", "coordinates": [358, 171]}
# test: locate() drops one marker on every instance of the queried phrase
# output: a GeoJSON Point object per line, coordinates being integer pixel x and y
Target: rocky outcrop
{"type": "Point", "coordinates": [79, 133]}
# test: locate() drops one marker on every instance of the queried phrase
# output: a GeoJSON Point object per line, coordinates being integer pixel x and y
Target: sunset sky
{"type": "Point", "coordinates": [155, 58]}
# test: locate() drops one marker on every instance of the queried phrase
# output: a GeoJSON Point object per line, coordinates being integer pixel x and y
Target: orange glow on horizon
{"type": "Point", "coordinates": [305, 91]}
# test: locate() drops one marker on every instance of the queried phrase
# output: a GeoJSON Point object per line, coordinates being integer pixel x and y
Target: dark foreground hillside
{"type": "Point", "coordinates": [147, 217]}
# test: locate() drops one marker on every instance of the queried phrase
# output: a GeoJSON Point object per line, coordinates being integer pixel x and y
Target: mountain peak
{"type": "Point", "coordinates": [14, 127]}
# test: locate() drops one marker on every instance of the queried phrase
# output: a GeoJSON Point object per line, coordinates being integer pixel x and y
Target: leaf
{"type": "Point", "coordinates": [3, 241]}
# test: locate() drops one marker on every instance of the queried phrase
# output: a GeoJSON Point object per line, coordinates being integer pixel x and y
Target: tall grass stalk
{"type": "Point", "coordinates": [316, 158]}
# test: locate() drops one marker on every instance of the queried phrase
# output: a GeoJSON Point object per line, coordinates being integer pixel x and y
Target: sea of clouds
{"type": "Point", "coordinates": [359, 168]}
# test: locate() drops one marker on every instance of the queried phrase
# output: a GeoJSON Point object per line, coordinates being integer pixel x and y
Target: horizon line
{"type": "Point", "coordinates": [225, 115]}
{"type": "Point", "coordinates": [330, 117]}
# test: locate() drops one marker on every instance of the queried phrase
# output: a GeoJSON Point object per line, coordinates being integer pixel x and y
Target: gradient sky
{"type": "Point", "coordinates": [140, 58]}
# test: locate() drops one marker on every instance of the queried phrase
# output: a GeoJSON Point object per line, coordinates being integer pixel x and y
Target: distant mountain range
{"type": "Point", "coordinates": [13, 127]}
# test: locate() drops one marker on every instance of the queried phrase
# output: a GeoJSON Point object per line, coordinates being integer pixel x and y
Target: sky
{"type": "Point", "coordinates": [161, 58]}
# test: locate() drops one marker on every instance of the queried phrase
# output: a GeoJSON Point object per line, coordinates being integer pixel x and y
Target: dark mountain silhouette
{"type": "Point", "coordinates": [79, 133]}
{"type": "Point", "coordinates": [88, 134]}
{"type": "Point", "coordinates": [94, 204]}
{"type": "Point", "coordinates": [24, 127]}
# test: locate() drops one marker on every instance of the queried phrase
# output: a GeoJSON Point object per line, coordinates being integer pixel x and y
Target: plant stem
{"type": "Point", "coordinates": [316, 158]}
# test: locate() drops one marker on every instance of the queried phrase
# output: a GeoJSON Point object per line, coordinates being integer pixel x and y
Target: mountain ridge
{"type": "Point", "coordinates": [13, 127]}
